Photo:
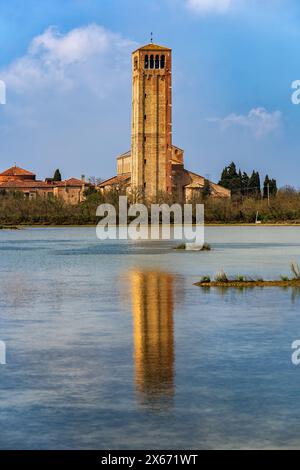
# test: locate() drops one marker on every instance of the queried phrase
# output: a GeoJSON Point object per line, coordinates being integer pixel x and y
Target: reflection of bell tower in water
{"type": "Point", "coordinates": [152, 298]}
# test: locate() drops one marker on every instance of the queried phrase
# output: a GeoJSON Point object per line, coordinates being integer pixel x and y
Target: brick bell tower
{"type": "Point", "coordinates": [151, 140]}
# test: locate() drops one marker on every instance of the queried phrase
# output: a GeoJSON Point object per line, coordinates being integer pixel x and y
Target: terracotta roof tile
{"type": "Point", "coordinates": [16, 171]}
{"type": "Point", "coordinates": [121, 179]}
{"type": "Point", "coordinates": [21, 184]}
{"type": "Point", "coordinates": [152, 47]}
{"type": "Point", "coordinates": [73, 182]}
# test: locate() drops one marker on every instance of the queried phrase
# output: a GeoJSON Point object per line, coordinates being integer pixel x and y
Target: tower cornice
{"type": "Point", "coordinates": [152, 47]}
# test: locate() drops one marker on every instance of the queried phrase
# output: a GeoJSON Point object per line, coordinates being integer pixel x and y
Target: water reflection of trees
{"type": "Point", "coordinates": [223, 290]}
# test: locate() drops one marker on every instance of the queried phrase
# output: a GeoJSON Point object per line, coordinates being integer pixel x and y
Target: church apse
{"type": "Point", "coordinates": [153, 331]}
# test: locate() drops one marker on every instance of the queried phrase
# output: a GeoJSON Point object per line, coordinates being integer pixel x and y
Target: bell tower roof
{"type": "Point", "coordinates": [152, 47]}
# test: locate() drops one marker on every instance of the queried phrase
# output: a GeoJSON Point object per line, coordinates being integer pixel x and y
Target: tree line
{"type": "Point", "coordinates": [243, 185]}
{"type": "Point", "coordinates": [249, 199]}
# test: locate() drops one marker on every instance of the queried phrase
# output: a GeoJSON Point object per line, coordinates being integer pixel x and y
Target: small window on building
{"type": "Point", "coordinates": [146, 61]}
{"type": "Point", "coordinates": [157, 62]}
{"type": "Point", "coordinates": [152, 62]}
{"type": "Point", "coordinates": [145, 117]}
{"type": "Point", "coordinates": [162, 62]}
{"type": "Point", "coordinates": [135, 64]}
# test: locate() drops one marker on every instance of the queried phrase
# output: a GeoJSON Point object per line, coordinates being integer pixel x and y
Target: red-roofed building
{"type": "Point", "coordinates": [16, 173]}
{"type": "Point", "coordinates": [17, 179]}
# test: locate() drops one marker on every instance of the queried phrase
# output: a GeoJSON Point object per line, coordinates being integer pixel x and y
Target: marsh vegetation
{"type": "Point", "coordinates": [221, 279]}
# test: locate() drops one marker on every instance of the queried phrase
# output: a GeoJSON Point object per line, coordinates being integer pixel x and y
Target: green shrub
{"type": "Point", "coordinates": [205, 280]}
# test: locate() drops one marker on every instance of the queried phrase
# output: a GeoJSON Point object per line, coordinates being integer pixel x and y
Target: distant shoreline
{"type": "Point", "coordinates": [209, 224]}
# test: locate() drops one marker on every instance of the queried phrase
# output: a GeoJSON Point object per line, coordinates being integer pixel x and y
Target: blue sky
{"type": "Point", "coordinates": [66, 64]}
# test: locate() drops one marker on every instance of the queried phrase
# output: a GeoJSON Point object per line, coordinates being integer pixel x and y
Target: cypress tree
{"type": "Point", "coordinates": [273, 187]}
{"type": "Point", "coordinates": [244, 184]}
{"type": "Point", "coordinates": [57, 175]}
{"type": "Point", "coordinates": [231, 179]}
{"type": "Point", "coordinates": [266, 185]}
{"type": "Point", "coordinates": [254, 185]}
{"type": "Point", "coordinates": [241, 184]}
{"type": "Point", "coordinates": [258, 185]}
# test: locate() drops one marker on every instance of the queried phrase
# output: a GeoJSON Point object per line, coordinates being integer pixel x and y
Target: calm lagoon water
{"type": "Point", "coordinates": [109, 344]}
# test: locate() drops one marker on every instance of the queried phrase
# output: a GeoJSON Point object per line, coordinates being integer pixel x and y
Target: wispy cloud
{"type": "Point", "coordinates": [258, 121]}
{"type": "Point", "coordinates": [209, 6]}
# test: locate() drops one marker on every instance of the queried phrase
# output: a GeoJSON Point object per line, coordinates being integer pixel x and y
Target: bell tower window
{"type": "Point", "coordinates": [162, 62]}
{"type": "Point", "coordinates": [157, 62]}
{"type": "Point", "coordinates": [152, 62]}
{"type": "Point", "coordinates": [146, 61]}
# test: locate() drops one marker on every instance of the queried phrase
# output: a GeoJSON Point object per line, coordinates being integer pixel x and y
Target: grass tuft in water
{"type": "Point", "coordinates": [295, 270]}
{"type": "Point", "coordinates": [221, 277]}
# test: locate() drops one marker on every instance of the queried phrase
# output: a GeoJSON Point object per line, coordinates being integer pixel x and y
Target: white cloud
{"type": "Point", "coordinates": [57, 59]}
{"type": "Point", "coordinates": [77, 45]}
{"type": "Point", "coordinates": [258, 121]}
{"type": "Point", "coordinates": [68, 102]}
{"type": "Point", "coordinates": [209, 6]}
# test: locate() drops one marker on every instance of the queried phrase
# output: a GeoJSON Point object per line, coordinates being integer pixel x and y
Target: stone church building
{"type": "Point", "coordinates": [154, 165]}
